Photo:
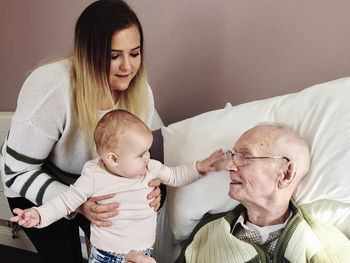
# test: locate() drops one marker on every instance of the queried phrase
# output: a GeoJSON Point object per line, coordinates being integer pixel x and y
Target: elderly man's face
{"type": "Point", "coordinates": [256, 182]}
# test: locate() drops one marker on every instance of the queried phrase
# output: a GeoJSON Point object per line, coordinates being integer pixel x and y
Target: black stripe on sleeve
{"type": "Point", "coordinates": [8, 170]}
{"type": "Point", "coordinates": [12, 180]}
{"type": "Point", "coordinates": [39, 198]}
{"type": "Point", "coordinates": [23, 158]}
{"type": "Point", "coordinates": [29, 182]}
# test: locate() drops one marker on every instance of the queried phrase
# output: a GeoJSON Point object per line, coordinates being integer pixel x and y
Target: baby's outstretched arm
{"type": "Point", "coordinates": [27, 218]}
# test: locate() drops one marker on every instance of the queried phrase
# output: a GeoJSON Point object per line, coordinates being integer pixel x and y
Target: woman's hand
{"type": "Point", "coordinates": [98, 214]}
{"type": "Point", "coordinates": [155, 194]}
{"type": "Point", "coordinates": [137, 257]}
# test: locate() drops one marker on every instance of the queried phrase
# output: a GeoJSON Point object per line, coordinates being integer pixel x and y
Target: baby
{"type": "Point", "coordinates": [124, 167]}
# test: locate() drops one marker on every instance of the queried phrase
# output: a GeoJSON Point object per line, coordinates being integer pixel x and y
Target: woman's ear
{"type": "Point", "coordinates": [112, 159]}
{"type": "Point", "coordinates": [288, 175]}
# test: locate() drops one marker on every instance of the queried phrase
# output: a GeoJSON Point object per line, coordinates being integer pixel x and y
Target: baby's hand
{"type": "Point", "coordinates": [26, 218]}
{"type": "Point", "coordinates": [208, 164]}
{"type": "Point", "coordinates": [137, 257]}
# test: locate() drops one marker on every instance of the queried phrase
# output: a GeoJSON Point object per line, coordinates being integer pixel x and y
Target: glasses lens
{"type": "Point", "coordinates": [239, 160]}
{"type": "Point", "coordinates": [229, 155]}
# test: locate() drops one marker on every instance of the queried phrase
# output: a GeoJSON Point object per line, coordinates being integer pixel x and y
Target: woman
{"type": "Point", "coordinates": [58, 107]}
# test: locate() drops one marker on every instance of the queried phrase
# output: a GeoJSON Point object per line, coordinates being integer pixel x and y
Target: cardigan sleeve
{"type": "Point", "coordinates": [36, 127]}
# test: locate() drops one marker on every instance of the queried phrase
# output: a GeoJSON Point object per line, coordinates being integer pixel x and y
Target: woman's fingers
{"type": "Point", "coordinates": [102, 197]}
{"type": "Point", "coordinates": [155, 194]}
{"type": "Point", "coordinates": [99, 218]}
{"type": "Point", "coordinates": [154, 183]}
{"type": "Point", "coordinates": [105, 208]}
{"type": "Point", "coordinates": [98, 214]}
{"type": "Point", "coordinates": [156, 202]}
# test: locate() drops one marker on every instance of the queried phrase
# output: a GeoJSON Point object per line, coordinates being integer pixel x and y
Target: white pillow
{"type": "Point", "coordinates": [321, 114]}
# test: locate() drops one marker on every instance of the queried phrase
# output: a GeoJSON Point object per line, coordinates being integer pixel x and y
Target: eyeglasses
{"type": "Point", "coordinates": [240, 159]}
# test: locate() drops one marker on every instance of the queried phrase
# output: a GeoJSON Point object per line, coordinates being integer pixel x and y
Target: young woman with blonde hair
{"type": "Point", "coordinates": [51, 134]}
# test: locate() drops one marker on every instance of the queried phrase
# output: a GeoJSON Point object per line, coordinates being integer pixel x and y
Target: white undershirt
{"type": "Point", "coordinates": [264, 231]}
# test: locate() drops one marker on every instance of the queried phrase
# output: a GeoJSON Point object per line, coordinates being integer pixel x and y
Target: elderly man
{"type": "Point", "coordinates": [266, 165]}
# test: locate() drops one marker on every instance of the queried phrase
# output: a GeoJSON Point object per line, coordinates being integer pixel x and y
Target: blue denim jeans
{"type": "Point", "coordinates": [101, 256]}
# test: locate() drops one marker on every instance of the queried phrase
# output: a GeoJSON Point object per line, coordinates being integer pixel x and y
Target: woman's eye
{"type": "Point", "coordinates": [114, 56]}
{"type": "Point", "coordinates": [135, 54]}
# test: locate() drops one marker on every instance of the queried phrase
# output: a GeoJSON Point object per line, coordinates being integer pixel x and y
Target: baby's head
{"type": "Point", "coordinates": [123, 141]}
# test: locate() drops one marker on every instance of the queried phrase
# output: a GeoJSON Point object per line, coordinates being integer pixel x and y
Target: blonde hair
{"type": "Point", "coordinates": [113, 126]}
{"type": "Point", "coordinates": [91, 64]}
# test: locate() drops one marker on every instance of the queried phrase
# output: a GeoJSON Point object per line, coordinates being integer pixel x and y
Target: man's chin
{"type": "Point", "coordinates": [233, 194]}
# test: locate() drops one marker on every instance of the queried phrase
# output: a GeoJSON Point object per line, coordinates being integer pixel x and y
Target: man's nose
{"type": "Point", "coordinates": [231, 166]}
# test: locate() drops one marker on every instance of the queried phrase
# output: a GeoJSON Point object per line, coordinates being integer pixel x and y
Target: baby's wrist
{"type": "Point", "coordinates": [199, 168]}
{"type": "Point", "coordinates": [38, 217]}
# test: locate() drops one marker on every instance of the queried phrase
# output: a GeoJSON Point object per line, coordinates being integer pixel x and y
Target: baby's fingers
{"type": "Point", "coordinates": [14, 219]}
{"type": "Point", "coordinates": [18, 211]}
{"type": "Point", "coordinates": [18, 216]}
{"type": "Point", "coordinates": [22, 222]}
{"type": "Point", "coordinates": [214, 169]}
{"type": "Point", "coordinates": [217, 153]}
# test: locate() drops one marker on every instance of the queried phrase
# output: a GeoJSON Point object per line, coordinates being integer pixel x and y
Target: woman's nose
{"type": "Point", "coordinates": [125, 63]}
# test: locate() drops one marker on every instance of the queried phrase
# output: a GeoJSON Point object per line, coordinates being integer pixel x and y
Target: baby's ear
{"type": "Point", "coordinates": [112, 159]}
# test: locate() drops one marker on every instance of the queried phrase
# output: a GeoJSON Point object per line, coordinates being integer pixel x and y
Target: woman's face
{"type": "Point", "coordinates": [125, 58]}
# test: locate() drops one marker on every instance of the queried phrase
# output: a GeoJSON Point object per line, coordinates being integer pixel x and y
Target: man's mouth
{"type": "Point", "coordinates": [233, 181]}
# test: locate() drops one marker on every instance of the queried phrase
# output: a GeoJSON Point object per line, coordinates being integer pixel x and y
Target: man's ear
{"type": "Point", "coordinates": [288, 175]}
{"type": "Point", "coordinates": [112, 159]}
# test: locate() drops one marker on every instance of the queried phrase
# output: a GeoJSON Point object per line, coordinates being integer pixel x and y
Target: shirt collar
{"type": "Point", "coordinates": [242, 219]}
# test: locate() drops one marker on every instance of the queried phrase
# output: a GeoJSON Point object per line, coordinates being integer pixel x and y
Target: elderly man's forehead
{"type": "Point", "coordinates": [266, 133]}
{"type": "Point", "coordinates": [258, 136]}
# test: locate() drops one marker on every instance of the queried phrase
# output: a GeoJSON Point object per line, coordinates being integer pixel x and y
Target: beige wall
{"type": "Point", "coordinates": [200, 53]}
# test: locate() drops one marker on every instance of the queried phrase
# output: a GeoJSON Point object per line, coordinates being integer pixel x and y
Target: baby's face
{"type": "Point", "coordinates": [134, 154]}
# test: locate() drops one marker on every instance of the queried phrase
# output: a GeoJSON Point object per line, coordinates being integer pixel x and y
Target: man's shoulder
{"type": "Point", "coordinates": [320, 239]}
{"type": "Point", "coordinates": [230, 216]}
{"type": "Point", "coordinates": [217, 227]}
